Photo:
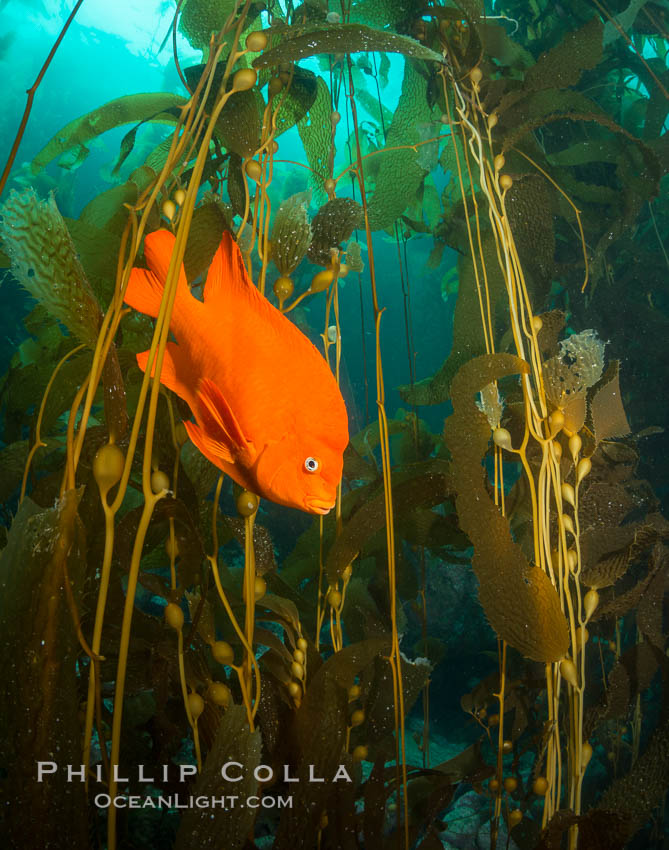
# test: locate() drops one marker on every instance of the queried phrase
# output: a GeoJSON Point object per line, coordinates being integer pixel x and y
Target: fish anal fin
{"type": "Point", "coordinates": [174, 371]}
{"type": "Point", "coordinates": [217, 415]}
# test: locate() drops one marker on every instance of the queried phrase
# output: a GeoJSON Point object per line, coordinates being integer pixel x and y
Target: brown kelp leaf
{"type": "Point", "coordinates": [467, 763]}
{"type": "Point", "coordinates": [518, 599]}
{"type": "Point", "coordinates": [606, 406]}
{"type": "Point", "coordinates": [113, 394]}
{"type": "Point", "coordinates": [617, 606]}
{"type": "Point", "coordinates": [107, 210]}
{"type": "Point", "coordinates": [200, 471]}
{"type": "Point", "coordinates": [361, 614]}
{"type": "Point", "coordinates": [607, 552]}
{"type": "Point", "coordinates": [427, 488]}
{"type": "Point", "coordinates": [203, 827]}
{"type": "Point", "coordinates": [39, 698]}
{"type": "Point", "coordinates": [341, 38]}
{"type": "Point", "coordinates": [319, 740]}
{"type": "Point", "coordinates": [634, 796]}
{"type": "Point", "coordinates": [574, 410]}
{"type": "Point", "coordinates": [379, 700]}
{"type": "Point", "coordinates": [631, 676]}
{"type": "Point", "coordinates": [529, 206]}
{"type": "Point", "coordinates": [98, 252]}
{"type": "Point", "coordinates": [563, 65]}
{"type": "Point", "coordinates": [291, 233]}
{"type": "Point", "coordinates": [262, 543]}
{"type": "Point", "coordinates": [131, 108]}
{"type": "Point", "coordinates": [425, 527]}
{"type": "Point", "coordinates": [236, 183]}
{"type": "Point", "coordinates": [12, 462]}
{"type": "Point", "coordinates": [552, 324]}
{"type": "Point", "coordinates": [597, 830]}
{"type": "Point", "coordinates": [264, 637]}
{"type": "Point", "coordinates": [602, 504]}
{"type": "Point", "coordinates": [285, 608]}
{"type": "Point", "coordinates": [357, 469]}
{"type": "Point", "coordinates": [207, 227]}
{"type": "Point", "coordinates": [333, 224]}
{"type": "Point", "coordinates": [650, 610]}
{"type": "Point", "coordinates": [365, 441]}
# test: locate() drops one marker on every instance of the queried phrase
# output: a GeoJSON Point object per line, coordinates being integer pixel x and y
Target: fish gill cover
{"type": "Point", "coordinates": [402, 265]}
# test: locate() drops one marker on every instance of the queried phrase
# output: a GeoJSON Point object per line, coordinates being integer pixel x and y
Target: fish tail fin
{"type": "Point", "coordinates": [146, 286]}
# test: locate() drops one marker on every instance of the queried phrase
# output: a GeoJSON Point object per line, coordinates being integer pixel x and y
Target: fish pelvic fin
{"type": "Point", "coordinates": [174, 372]}
{"type": "Point", "coordinates": [219, 420]}
{"type": "Point", "coordinates": [146, 286]}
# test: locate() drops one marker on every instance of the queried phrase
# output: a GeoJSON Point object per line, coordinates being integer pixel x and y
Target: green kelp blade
{"type": "Point", "coordinates": [129, 109]}
{"type": "Point", "coordinates": [98, 249]}
{"type": "Point", "coordinates": [39, 697]}
{"type": "Point", "coordinates": [518, 599]}
{"type": "Point", "coordinates": [342, 38]}
{"type": "Point", "coordinates": [400, 172]}
{"type": "Point", "coordinates": [383, 13]}
{"type": "Point", "coordinates": [296, 101]}
{"type": "Point", "coordinates": [315, 129]}
{"type": "Point", "coordinates": [209, 222]}
{"type": "Point", "coordinates": [224, 827]}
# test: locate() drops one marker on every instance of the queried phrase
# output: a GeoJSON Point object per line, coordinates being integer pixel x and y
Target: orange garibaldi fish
{"type": "Point", "coordinates": [267, 409]}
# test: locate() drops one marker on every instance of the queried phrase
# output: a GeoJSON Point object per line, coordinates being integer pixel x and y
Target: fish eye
{"type": "Point", "coordinates": [311, 464]}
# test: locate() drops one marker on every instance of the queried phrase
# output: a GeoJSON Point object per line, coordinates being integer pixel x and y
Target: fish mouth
{"type": "Point", "coordinates": [319, 506]}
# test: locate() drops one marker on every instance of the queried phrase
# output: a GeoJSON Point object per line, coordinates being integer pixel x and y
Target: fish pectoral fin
{"type": "Point", "coordinates": [210, 448]}
{"type": "Point", "coordinates": [174, 370]}
{"type": "Point", "coordinates": [219, 420]}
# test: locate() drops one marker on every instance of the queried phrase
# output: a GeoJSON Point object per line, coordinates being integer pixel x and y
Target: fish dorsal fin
{"type": "Point", "coordinates": [226, 266]}
{"type": "Point", "coordinates": [228, 279]}
{"type": "Point", "coordinates": [219, 420]}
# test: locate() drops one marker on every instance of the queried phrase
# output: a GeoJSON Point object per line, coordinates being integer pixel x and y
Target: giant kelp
{"type": "Point", "coordinates": [215, 629]}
